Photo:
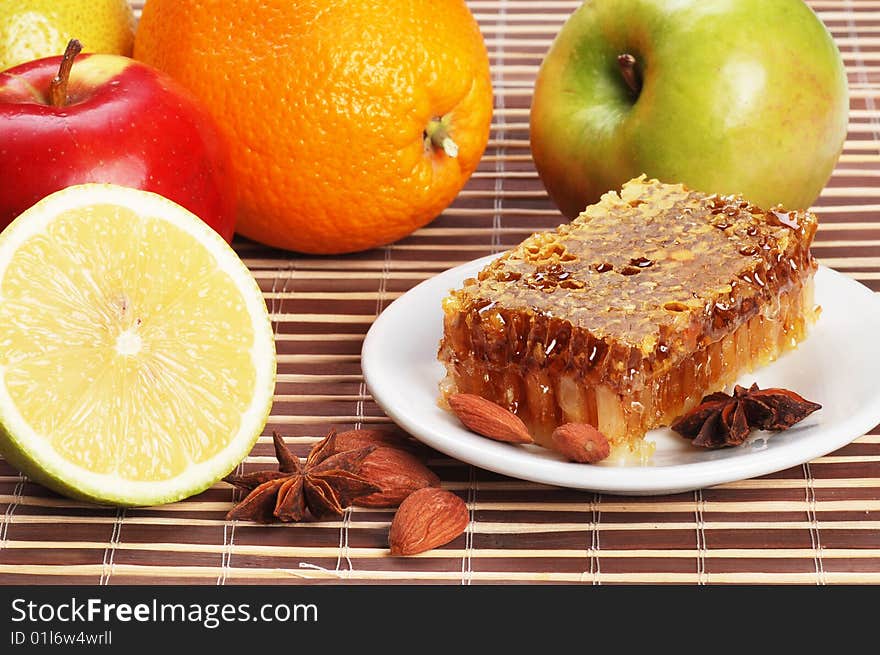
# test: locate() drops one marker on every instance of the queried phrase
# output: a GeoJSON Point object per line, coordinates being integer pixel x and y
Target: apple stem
{"type": "Point", "coordinates": [58, 87]}
{"type": "Point", "coordinates": [630, 73]}
{"type": "Point", "coordinates": [437, 135]}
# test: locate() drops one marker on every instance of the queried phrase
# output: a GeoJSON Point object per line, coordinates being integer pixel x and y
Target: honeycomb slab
{"type": "Point", "coordinates": [627, 316]}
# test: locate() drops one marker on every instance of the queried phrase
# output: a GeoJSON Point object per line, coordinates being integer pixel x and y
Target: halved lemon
{"type": "Point", "coordinates": [137, 361]}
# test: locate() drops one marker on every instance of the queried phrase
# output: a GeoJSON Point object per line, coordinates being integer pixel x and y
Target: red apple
{"type": "Point", "coordinates": [115, 120]}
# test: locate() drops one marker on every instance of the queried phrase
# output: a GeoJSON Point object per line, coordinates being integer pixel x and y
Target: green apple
{"type": "Point", "coordinates": [726, 96]}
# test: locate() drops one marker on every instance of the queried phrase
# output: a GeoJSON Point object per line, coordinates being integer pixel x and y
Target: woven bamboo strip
{"type": "Point", "coordinates": [281, 419]}
{"type": "Point", "coordinates": [445, 264]}
{"type": "Point", "coordinates": [837, 174]}
{"type": "Point", "coordinates": [427, 232]}
{"type": "Point", "coordinates": [329, 295]}
{"type": "Point", "coordinates": [541, 37]}
{"type": "Point", "coordinates": [798, 483]}
{"type": "Point", "coordinates": [505, 175]}
{"type": "Point", "coordinates": [233, 574]}
{"type": "Point", "coordinates": [310, 379]}
{"type": "Point", "coordinates": [315, 398]}
{"type": "Point", "coordinates": [821, 483]}
{"type": "Point", "coordinates": [525, 230]}
{"type": "Point", "coordinates": [523, 112]}
{"type": "Point", "coordinates": [655, 506]}
{"type": "Point", "coordinates": [442, 247]}
{"type": "Point", "coordinates": [571, 5]}
{"type": "Point", "coordinates": [356, 553]}
{"type": "Point", "coordinates": [366, 264]}
{"type": "Point", "coordinates": [845, 4]}
{"type": "Point", "coordinates": [543, 44]}
{"type": "Point", "coordinates": [478, 527]}
{"type": "Point", "coordinates": [842, 10]}
{"type": "Point", "coordinates": [846, 158]}
{"type": "Point", "coordinates": [335, 337]}
{"type": "Point", "coordinates": [523, 144]}
{"type": "Point", "coordinates": [842, 262]}
{"type": "Point", "coordinates": [847, 209]}
{"type": "Point", "coordinates": [318, 274]}
{"type": "Point", "coordinates": [609, 504]}
{"type": "Point", "coordinates": [828, 459]}
{"type": "Point", "coordinates": [549, 30]}
{"type": "Point", "coordinates": [471, 231]}
{"type": "Point", "coordinates": [852, 192]}
{"type": "Point", "coordinates": [484, 485]}
{"type": "Point", "coordinates": [841, 227]}
{"type": "Point", "coordinates": [322, 318]}
{"type": "Point", "coordinates": [865, 439]}
{"type": "Point", "coordinates": [561, 10]}
{"type": "Point", "coordinates": [860, 128]}
{"type": "Point", "coordinates": [543, 34]}
{"type": "Point", "coordinates": [522, 527]}
{"type": "Point", "coordinates": [404, 247]}
{"type": "Point", "coordinates": [316, 358]}
{"type": "Point", "coordinates": [553, 213]}
{"type": "Point", "coordinates": [516, 485]}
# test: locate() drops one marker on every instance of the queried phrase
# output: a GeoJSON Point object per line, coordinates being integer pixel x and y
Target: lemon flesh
{"type": "Point", "coordinates": [137, 360]}
{"type": "Point", "coordinates": [32, 29]}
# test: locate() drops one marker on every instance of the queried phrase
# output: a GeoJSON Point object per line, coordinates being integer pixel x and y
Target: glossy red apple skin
{"type": "Point", "coordinates": [125, 123]}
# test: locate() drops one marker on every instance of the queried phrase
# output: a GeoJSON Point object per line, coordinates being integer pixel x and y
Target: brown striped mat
{"type": "Point", "coordinates": [813, 524]}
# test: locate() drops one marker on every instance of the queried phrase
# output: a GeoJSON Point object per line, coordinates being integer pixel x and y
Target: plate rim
{"type": "Point", "coordinates": [509, 460]}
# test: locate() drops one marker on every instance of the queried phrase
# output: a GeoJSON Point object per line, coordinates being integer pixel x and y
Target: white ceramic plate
{"type": "Point", "coordinates": [837, 366]}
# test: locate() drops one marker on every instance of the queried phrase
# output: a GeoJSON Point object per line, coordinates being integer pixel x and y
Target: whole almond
{"type": "Point", "coordinates": [489, 419]}
{"type": "Point", "coordinates": [353, 439]}
{"type": "Point", "coordinates": [397, 473]}
{"type": "Point", "coordinates": [580, 442]}
{"type": "Point", "coordinates": [428, 518]}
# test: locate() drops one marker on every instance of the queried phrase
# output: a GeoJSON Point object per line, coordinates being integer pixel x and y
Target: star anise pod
{"type": "Point", "coordinates": [325, 485]}
{"type": "Point", "coordinates": [723, 420]}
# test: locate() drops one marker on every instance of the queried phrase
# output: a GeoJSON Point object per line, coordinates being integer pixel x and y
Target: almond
{"type": "Point", "coordinates": [580, 442]}
{"type": "Point", "coordinates": [353, 439]}
{"type": "Point", "coordinates": [428, 518]}
{"type": "Point", "coordinates": [489, 419]}
{"type": "Point", "coordinates": [397, 473]}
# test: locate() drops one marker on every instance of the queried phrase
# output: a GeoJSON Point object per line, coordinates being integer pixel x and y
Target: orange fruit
{"type": "Point", "coordinates": [351, 123]}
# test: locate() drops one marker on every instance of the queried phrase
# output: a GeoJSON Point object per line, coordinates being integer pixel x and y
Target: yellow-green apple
{"type": "Point", "coordinates": [108, 118]}
{"type": "Point", "coordinates": [727, 96]}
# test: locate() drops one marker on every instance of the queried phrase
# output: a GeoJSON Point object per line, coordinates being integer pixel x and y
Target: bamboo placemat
{"type": "Point", "coordinates": [813, 524]}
